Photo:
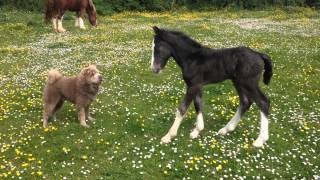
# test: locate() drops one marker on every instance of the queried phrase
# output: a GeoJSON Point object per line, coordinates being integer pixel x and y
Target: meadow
{"type": "Point", "coordinates": [135, 107]}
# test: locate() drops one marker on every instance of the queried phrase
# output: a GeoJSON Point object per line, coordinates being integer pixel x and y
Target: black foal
{"type": "Point", "coordinates": [201, 66]}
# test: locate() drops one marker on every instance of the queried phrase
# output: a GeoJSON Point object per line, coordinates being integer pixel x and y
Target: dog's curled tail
{"type": "Point", "coordinates": [267, 68]}
{"type": "Point", "coordinates": [53, 76]}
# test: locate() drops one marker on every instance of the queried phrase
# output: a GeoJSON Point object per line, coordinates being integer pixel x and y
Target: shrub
{"type": "Point", "coordinates": [110, 6]}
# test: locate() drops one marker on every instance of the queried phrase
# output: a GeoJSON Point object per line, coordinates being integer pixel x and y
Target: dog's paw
{"type": "Point", "coordinates": [91, 118]}
{"type": "Point", "coordinates": [45, 124]}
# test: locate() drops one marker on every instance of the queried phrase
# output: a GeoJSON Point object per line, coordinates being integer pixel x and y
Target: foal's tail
{"type": "Point", "coordinates": [49, 10]}
{"type": "Point", "coordinates": [267, 68]}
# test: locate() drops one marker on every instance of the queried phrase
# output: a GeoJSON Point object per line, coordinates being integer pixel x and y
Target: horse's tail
{"type": "Point", "coordinates": [49, 10]}
{"type": "Point", "coordinates": [267, 68]}
{"type": "Point", "coordinates": [53, 76]}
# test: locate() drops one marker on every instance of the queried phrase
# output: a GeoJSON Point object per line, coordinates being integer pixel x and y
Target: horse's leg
{"type": "Point", "coordinates": [54, 23]}
{"type": "Point", "coordinates": [264, 104]}
{"type": "Point", "coordinates": [199, 125]}
{"type": "Point", "coordinates": [60, 18]}
{"type": "Point", "coordinates": [81, 23]}
{"type": "Point", "coordinates": [76, 24]}
{"type": "Point", "coordinates": [245, 103]}
{"type": "Point", "coordinates": [191, 92]}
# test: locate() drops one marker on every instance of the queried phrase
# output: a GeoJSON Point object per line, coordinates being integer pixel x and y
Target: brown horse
{"type": "Point", "coordinates": [57, 8]}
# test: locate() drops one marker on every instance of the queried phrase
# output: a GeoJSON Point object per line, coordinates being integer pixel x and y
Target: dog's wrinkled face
{"type": "Point", "coordinates": [92, 74]}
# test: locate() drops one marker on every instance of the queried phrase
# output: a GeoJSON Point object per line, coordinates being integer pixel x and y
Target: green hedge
{"type": "Point", "coordinates": [111, 6]}
{"type": "Point", "coordinates": [30, 5]}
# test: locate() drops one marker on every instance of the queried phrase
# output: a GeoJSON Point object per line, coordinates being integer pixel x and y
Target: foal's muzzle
{"type": "Point", "coordinates": [156, 68]}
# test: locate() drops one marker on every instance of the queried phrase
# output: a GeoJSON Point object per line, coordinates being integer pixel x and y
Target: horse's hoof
{"type": "Point", "coordinates": [165, 139]}
{"type": "Point", "coordinates": [222, 131]}
{"type": "Point", "coordinates": [85, 125]}
{"type": "Point", "coordinates": [61, 30]}
{"type": "Point", "coordinates": [194, 134]}
{"type": "Point", "coordinates": [258, 143]}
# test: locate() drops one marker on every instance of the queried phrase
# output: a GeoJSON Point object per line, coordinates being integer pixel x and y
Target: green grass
{"type": "Point", "coordinates": [135, 108]}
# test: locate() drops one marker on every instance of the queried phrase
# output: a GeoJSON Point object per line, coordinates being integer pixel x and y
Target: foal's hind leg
{"type": "Point", "coordinates": [191, 92]}
{"type": "Point", "coordinates": [199, 125]}
{"type": "Point", "coordinates": [263, 103]}
{"type": "Point", "coordinates": [245, 103]}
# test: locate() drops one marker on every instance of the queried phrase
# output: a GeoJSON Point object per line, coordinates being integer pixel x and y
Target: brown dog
{"type": "Point", "coordinates": [81, 90]}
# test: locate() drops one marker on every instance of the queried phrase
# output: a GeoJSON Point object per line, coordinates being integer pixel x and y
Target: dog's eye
{"type": "Point", "coordinates": [90, 73]}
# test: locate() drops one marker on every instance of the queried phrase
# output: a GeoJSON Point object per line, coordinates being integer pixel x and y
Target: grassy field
{"type": "Point", "coordinates": [135, 108]}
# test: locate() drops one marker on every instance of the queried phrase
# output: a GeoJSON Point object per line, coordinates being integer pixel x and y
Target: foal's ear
{"type": "Point", "coordinates": [156, 30]}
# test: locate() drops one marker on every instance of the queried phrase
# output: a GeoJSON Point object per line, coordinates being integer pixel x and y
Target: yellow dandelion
{"type": "Point", "coordinates": [219, 167]}
{"type": "Point", "coordinates": [84, 157]}
{"type": "Point", "coordinates": [39, 173]}
{"type": "Point", "coordinates": [24, 164]}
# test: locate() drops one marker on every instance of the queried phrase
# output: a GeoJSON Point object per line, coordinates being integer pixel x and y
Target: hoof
{"type": "Point", "coordinates": [194, 134]}
{"type": "Point", "coordinates": [165, 139]}
{"type": "Point", "coordinates": [61, 30]}
{"type": "Point", "coordinates": [85, 125]}
{"type": "Point", "coordinates": [222, 131]}
{"type": "Point", "coordinates": [258, 143]}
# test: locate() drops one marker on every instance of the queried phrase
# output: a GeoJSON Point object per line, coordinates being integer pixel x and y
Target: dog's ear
{"type": "Point", "coordinates": [85, 71]}
{"type": "Point", "coordinates": [89, 70]}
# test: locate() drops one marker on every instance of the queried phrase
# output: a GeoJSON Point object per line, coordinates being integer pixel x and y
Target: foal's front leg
{"type": "Point", "coordinates": [199, 125]}
{"type": "Point", "coordinates": [179, 115]}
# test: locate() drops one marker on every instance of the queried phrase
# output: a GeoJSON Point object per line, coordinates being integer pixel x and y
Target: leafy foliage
{"type": "Point", "coordinates": [31, 5]}
{"type": "Point", "coordinates": [111, 6]}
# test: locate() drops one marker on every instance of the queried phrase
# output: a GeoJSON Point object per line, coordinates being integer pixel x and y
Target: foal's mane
{"type": "Point", "coordinates": [180, 37]}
